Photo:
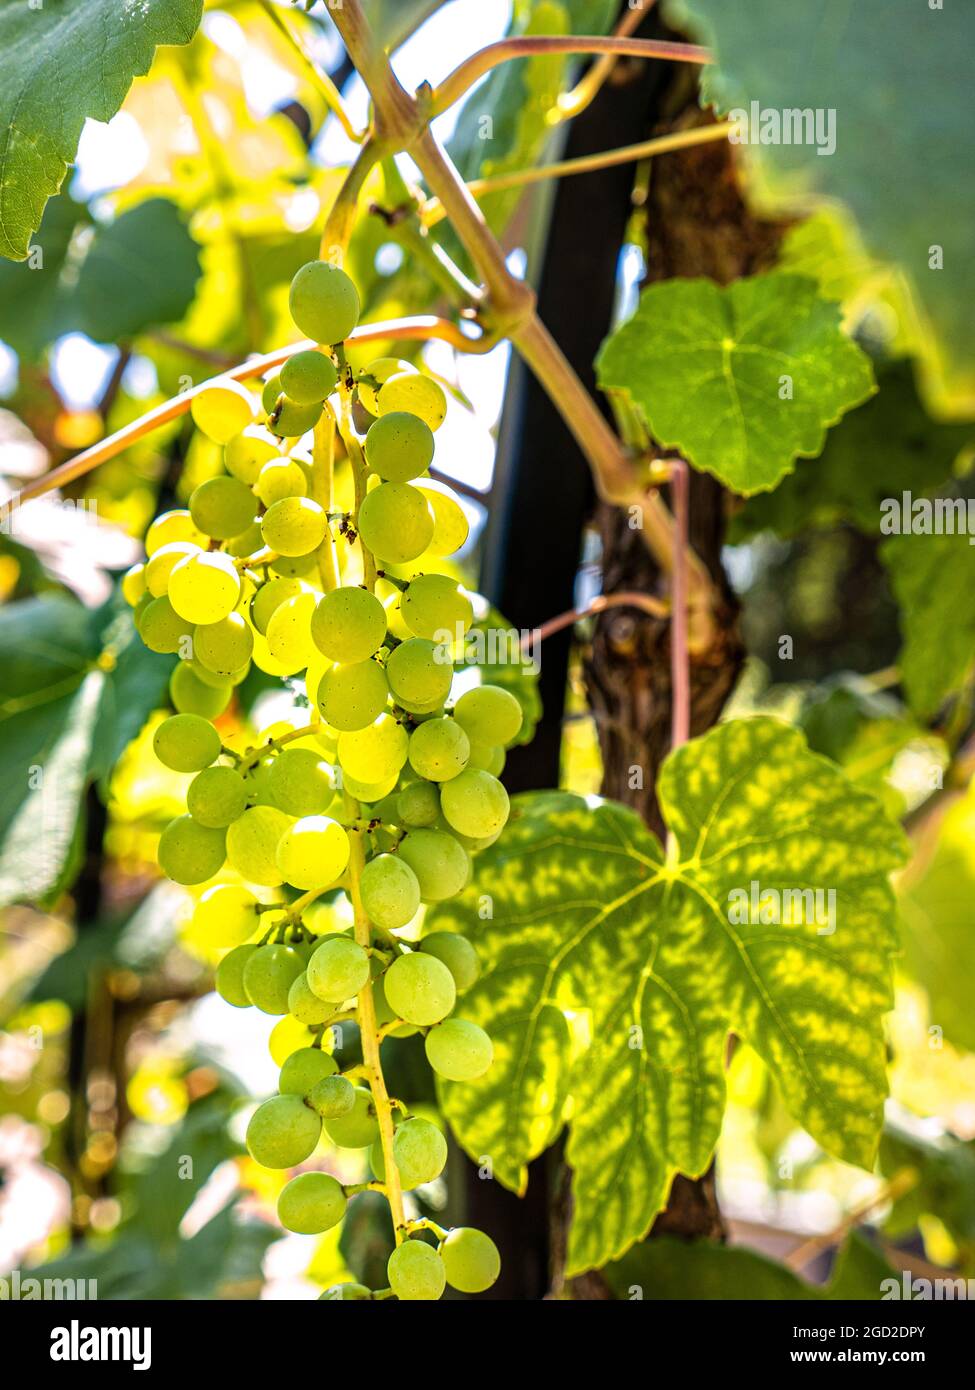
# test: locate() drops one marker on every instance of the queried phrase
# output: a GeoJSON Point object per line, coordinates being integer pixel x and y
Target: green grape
{"type": "Point", "coordinates": [489, 713]}
{"type": "Point", "coordinates": [385, 1014]}
{"type": "Point", "coordinates": [434, 607]}
{"type": "Point", "coordinates": [439, 749]}
{"type": "Point", "coordinates": [309, 377]}
{"type": "Point", "coordinates": [280, 478]}
{"type": "Point", "coordinates": [271, 595]}
{"type": "Point", "coordinates": [271, 391]}
{"type": "Point", "coordinates": [390, 892]}
{"type": "Point", "coordinates": [224, 647]}
{"type": "Point", "coordinates": [246, 454]}
{"type": "Point", "coordinates": [222, 409]}
{"type": "Point", "coordinates": [358, 1127]}
{"type": "Point", "coordinates": [222, 507]}
{"type": "Point", "coordinates": [226, 915]}
{"type": "Point", "coordinates": [162, 562]}
{"type": "Point", "coordinates": [487, 757]}
{"type": "Point", "coordinates": [161, 627]}
{"type": "Point", "coordinates": [289, 632]}
{"type": "Point", "coordinates": [416, 394]}
{"type": "Point", "coordinates": [441, 865]}
{"type": "Point", "coordinates": [345, 1293]}
{"type": "Point", "coordinates": [368, 792]}
{"type": "Point", "coordinates": [304, 1069]}
{"type": "Point", "coordinates": [216, 797]}
{"type": "Point", "coordinates": [418, 805]}
{"type": "Point", "coordinates": [416, 1273]}
{"type": "Point", "coordinates": [252, 843]}
{"type": "Point", "coordinates": [249, 542]}
{"type": "Point", "coordinates": [338, 970]}
{"type": "Point", "coordinates": [289, 420]}
{"type": "Point", "coordinates": [399, 448]}
{"type": "Point", "coordinates": [269, 975]}
{"type": "Point", "coordinates": [312, 853]}
{"type": "Point", "coordinates": [373, 377]}
{"type": "Point", "coordinates": [191, 695]}
{"type": "Point", "coordinates": [134, 584]}
{"type": "Point", "coordinates": [190, 853]}
{"type": "Point", "coordinates": [350, 697]}
{"type": "Point", "coordinates": [470, 1259]}
{"type": "Point", "coordinates": [349, 625]}
{"type": "Point", "coordinates": [306, 1006]}
{"type": "Point", "coordinates": [324, 302]}
{"type": "Point", "coordinates": [459, 1050]}
{"type": "Point", "coordinates": [283, 1132]}
{"type": "Point", "coordinates": [295, 526]}
{"type": "Point", "coordinates": [295, 566]}
{"type": "Point", "coordinates": [173, 526]}
{"type": "Point", "coordinates": [186, 743]}
{"type": "Point", "coordinates": [301, 782]}
{"type": "Point", "coordinates": [419, 1152]}
{"type": "Point", "coordinates": [450, 525]}
{"type": "Point", "coordinates": [229, 979]}
{"type": "Point", "coordinates": [457, 954]}
{"type": "Point", "coordinates": [395, 522]}
{"type": "Point", "coordinates": [375, 753]}
{"type": "Point", "coordinates": [333, 1097]}
{"type": "Point", "coordinates": [204, 588]}
{"type": "Point", "coordinates": [257, 781]}
{"type": "Point", "coordinates": [311, 1203]}
{"type": "Point", "coordinates": [420, 989]}
{"type": "Point", "coordinates": [475, 803]}
{"type": "Point", "coordinates": [419, 671]}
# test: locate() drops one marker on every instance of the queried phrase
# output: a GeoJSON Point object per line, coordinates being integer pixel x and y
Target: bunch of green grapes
{"type": "Point", "coordinates": [385, 796]}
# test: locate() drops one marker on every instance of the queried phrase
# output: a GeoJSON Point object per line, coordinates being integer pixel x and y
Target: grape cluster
{"type": "Point", "coordinates": [386, 794]}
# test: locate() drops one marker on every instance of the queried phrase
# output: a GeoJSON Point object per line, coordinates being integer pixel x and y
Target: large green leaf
{"type": "Point", "coordinates": [742, 379]}
{"type": "Point", "coordinates": [60, 63]}
{"type": "Point", "coordinates": [613, 974]}
{"type": "Point", "coordinates": [894, 74]}
{"type": "Point", "coordinates": [944, 1168]}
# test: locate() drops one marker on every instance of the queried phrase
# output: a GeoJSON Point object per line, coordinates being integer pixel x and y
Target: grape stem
{"type": "Point", "coordinates": [254, 755]}
{"type": "Point", "coordinates": [584, 93]}
{"type": "Point", "coordinates": [425, 1224]}
{"type": "Point", "coordinates": [680, 674]}
{"type": "Point", "coordinates": [357, 461]}
{"type": "Point", "coordinates": [340, 222]}
{"type": "Point", "coordinates": [322, 488]}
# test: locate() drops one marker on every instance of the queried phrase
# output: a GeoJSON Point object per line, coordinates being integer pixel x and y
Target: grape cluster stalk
{"type": "Point", "coordinates": [384, 795]}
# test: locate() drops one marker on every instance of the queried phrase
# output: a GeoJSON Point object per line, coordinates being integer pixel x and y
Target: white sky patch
{"type": "Point", "coordinates": [80, 370]}
{"type": "Point", "coordinates": [109, 155]}
{"type": "Point", "coordinates": [266, 84]}
{"type": "Point", "coordinates": [8, 370]}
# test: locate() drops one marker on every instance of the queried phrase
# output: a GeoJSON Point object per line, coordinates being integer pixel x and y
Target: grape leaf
{"type": "Point", "coordinates": [612, 975]}
{"type": "Point", "coordinates": [894, 74]}
{"type": "Point", "coordinates": [741, 379]}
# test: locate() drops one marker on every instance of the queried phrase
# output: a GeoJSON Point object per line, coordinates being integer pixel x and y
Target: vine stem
{"type": "Point", "coordinates": [340, 222]}
{"type": "Point", "coordinates": [322, 487]}
{"type": "Point", "coordinates": [680, 669]}
{"type": "Point", "coordinates": [584, 93]}
{"type": "Point", "coordinates": [626, 598]}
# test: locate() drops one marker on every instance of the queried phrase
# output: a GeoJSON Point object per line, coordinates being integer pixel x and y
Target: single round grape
{"type": "Point", "coordinates": [358, 1127]}
{"type": "Point", "coordinates": [289, 632]}
{"type": "Point", "coordinates": [229, 978]}
{"type": "Point", "coordinates": [224, 647]}
{"type": "Point", "coordinates": [489, 713]}
{"type": "Point", "coordinates": [369, 793]}
{"type": "Point", "coordinates": [416, 1272]}
{"type": "Point", "coordinates": [134, 584]}
{"type": "Point", "coordinates": [487, 757]}
{"type": "Point", "coordinates": [216, 797]}
{"type": "Point", "coordinates": [399, 448]}
{"type": "Point", "coordinates": [304, 1069]}
{"type": "Point", "coordinates": [271, 391]}
{"type": "Point", "coordinates": [459, 1050]}
{"type": "Point", "coordinates": [283, 1132]}
{"type": "Point", "coordinates": [204, 588]}
{"type": "Point", "coordinates": [416, 394]}
{"type": "Point", "coordinates": [289, 420]}
{"type": "Point", "coordinates": [345, 1293]}
{"type": "Point", "coordinates": [246, 454]}
{"type": "Point", "coordinates": [311, 1203]}
{"type": "Point", "coordinates": [226, 915]}
{"type": "Point", "coordinates": [418, 805]}
{"type": "Point", "coordinates": [419, 671]}
{"type": "Point", "coordinates": [420, 989]}
{"type": "Point", "coordinates": [286, 1037]}
{"type": "Point", "coordinates": [395, 522]}
{"type": "Point", "coordinates": [457, 954]}
{"type": "Point", "coordinates": [222, 507]}
{"type": "Point", "coordinates": [271, 595]}
{"type": "Point", "coordinates": [324, 302]}
{"type": "Point", "coordinates": [306, 1006]}
{"type": "Point", "coordinates": [439, 749]}
{"type": "Point", "coordinates": [312, 853]}
{"type": "Point", "coordinates": [190, 853]}
{"type": "Point", "coordinates": [295, 566]}
{"type": "Point", "coordinates": [279, 478]}
{"type": "Point", "coordinates": [191, 695]}
{"type": "Point", "coordinates": [309, 377]}
{"type": "Point", "coordinates": [162, 563]}
{"type": "Point", "coordinates": [349, 625]}
{"type": "Point", "coordinates": [385, 1014]}
{"type": "Point", "coordinates": [475, 803]}
{"type": "Point", "coordinates": [350, 697]}
{"type": "Point", "coordinates": [222, 409]}
{"type": "Point", "coordinates": [170, 527]}
{"type": "Point", "coordinates": [301, 782]}
{"type": "Point", "coordinates": [186, 743]}
{"type": "Point", "coordinates": [252, 843]}
{"type": "Point", "coordinates": [338, 970]}
{"type": "Point", "coordinates": [434, 607]}
{"type": "Point", "coordinates": [376, 753]}
{"type": "Point", "coordinates": [294, 526]}
{"type": "Point", "coordinates": [419, 1151]}
{"type": "Point", "coordinates": [373, 377]}
{"type": "Point", "coordinates": [390, 892]}
{"type": "Point", "coordinates": [333, 1097]}
{"type": "Point", "coordinates": [441, 865]}
{"type": "Point", "coordinates": [269, 975]}
{"type": "Point", "coordinates": [450, 525]}
{"type": "Point", "coordinates": [249, 542]}
{"type": "Point", "coordinates": [162, 629]}
{"type": "Point", "coordinates": [470, 1259]}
